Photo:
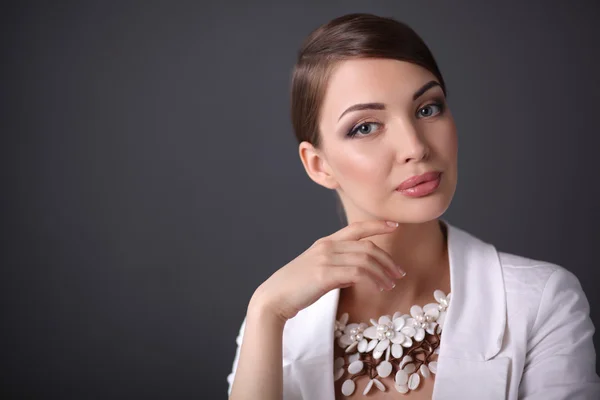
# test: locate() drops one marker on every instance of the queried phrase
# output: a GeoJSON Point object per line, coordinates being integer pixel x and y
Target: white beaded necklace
{"type": "Point", "coordinates": [400, 337]}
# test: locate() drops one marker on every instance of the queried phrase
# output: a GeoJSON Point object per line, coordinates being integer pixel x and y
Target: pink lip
{"type": "Point", "coordinates": [418, 179]}
{"type": "Point", "coordinates": [423, 188]}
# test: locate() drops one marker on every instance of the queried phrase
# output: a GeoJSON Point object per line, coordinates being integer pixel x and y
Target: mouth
{"type": "Point", "coordinates": [423, 187]}
{"type": "Point", "coordinates": [419, 179]}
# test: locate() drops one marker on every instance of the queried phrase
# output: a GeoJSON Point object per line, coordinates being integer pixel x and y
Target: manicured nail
{"type": "Point", "coordinates": [402, 272]}
{"type": "Point", "coordinates": [390, 223]}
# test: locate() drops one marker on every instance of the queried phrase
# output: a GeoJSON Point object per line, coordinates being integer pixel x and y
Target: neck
{"type": "Point", "coordinates": [421, 251]}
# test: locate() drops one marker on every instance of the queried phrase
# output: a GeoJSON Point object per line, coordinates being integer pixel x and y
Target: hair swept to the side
{"type": "Point", "coordinates": [356, 35]}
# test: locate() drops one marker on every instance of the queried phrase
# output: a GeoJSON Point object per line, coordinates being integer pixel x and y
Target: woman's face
{"type": "Point", "coordinates": [399, 137]}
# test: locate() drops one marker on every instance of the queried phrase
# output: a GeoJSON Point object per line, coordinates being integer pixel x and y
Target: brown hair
{"type": "Point", "coordinates": [347, 37]}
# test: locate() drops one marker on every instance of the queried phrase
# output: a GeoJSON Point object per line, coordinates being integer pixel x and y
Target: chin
{"type": "Point", "coordinates": [420, 211]}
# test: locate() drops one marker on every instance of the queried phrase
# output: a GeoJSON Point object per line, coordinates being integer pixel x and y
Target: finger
{"type": "Point", "coordinates": [366, 262]}
{"type": "Point", "coordinates": [346, 276]}
{"type": "Point", "coordinates": [367, 246]}
{"type": "Point", "coordinates": [363, 229]}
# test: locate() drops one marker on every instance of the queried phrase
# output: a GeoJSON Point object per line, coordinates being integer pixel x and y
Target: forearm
{"type": "Point", "coordinates": [259, 373]}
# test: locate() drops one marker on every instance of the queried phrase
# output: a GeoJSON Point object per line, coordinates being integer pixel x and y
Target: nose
{"type": "Point", "coordinates": [409, 142]}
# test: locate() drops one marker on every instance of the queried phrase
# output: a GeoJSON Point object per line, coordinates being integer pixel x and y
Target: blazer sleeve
{"type": "Point", "coordinates": [561, 359]}
{"type": "Point", "coordinates": [236, 358]}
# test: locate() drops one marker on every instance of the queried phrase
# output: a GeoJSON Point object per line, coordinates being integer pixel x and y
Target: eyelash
{"type": "Point", "coordinates": [353, 132]}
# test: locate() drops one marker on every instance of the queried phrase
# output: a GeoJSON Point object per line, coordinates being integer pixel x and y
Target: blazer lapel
{"type": "Point", "coordinates": [473, 331]}
{"type": "Point", "coordinates": [475, 323]}
{"type": "Point", "coordinates": [308, 348]}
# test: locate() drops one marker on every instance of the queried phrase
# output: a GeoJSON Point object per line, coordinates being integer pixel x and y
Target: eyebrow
{"type": "Point", "coordinates": [381, 106]}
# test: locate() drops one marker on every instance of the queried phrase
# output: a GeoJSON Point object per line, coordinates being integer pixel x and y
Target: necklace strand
{"type": "Point", "coordinates": [400, 346]}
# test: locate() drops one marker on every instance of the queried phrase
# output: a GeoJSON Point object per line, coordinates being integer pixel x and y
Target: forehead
{"type": "Point", "coordinates": [372, 80]}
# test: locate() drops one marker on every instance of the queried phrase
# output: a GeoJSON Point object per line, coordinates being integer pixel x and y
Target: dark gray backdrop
{"type": "Point", "coordinates": [152, 180]}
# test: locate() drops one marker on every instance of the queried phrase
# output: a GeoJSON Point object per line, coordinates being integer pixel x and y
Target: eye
{"type": "Point", "coordinates": [364, 129]}
{"type": "Point", "coordinates": [428, 110]}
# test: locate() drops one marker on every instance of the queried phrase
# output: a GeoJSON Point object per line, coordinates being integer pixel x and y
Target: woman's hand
{"type": "Point", "coordinates": [335, 261]}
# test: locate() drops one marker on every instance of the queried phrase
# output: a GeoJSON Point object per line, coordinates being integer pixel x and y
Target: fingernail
{"type": "Point", "coordinates": [390, 223]}
{"type": "Point", "coordinates": [402, 272]}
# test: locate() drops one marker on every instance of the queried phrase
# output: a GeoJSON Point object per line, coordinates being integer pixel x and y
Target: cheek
{"type": "Point", "coordinates": [358, 169]}
{"type": "Point", "coordinates": [445, 141]}
{"type": "Point", "coordinates": [448, 148]}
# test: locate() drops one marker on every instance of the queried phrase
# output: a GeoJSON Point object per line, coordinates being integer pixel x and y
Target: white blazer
{"type": "Point", "coordinates": [516, 328]}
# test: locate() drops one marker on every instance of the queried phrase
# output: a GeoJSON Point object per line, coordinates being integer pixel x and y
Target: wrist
{"type": "Point", "coordinates": [261, 311]}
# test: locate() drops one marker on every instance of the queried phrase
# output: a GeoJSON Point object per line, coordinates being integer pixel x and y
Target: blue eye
{"type": "Point", "coordinates": [363, 128]}
{"type": "Point", "coordinates": [440, 106]}
{"type": "Point", "coordinates": [366, 128]}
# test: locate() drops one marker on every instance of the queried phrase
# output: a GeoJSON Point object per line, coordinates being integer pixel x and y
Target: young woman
{"type": "Point", "coordinates": [400, 301]}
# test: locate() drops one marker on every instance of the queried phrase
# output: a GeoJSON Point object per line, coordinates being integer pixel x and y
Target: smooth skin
{"type": "Point", "coordinates": [336, 261]}
{"type": "Point", "coordinates": [409, 136]}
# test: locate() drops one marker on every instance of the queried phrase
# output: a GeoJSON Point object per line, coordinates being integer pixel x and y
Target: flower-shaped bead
{"type": "Point", "coordinates": [388, 335]}
{"type": "Point", "coordinates": [387, 332]}
{"type": "Point", "coordinates": [443, 302]}
{"type": "Point", "coordinates": [353, 336]}
{"type": "Point", "coordinates": [340, 325]}
{"type": "Point", "coordinates": [422, 321]}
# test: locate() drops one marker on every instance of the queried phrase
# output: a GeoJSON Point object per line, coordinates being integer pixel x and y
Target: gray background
{"type": "Point", "coordinates": [152, 180]}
